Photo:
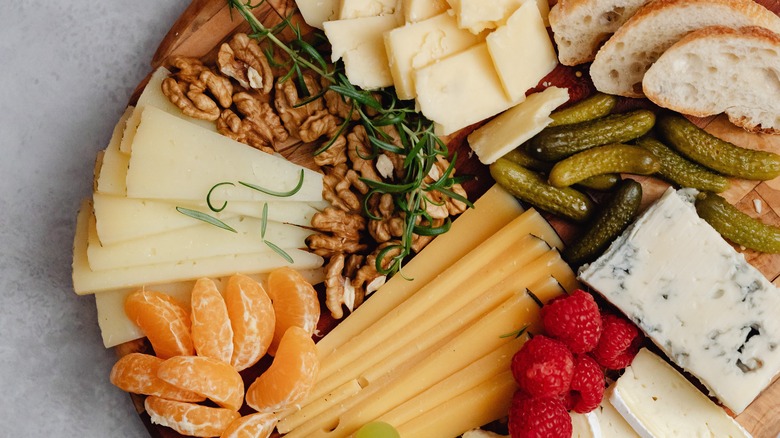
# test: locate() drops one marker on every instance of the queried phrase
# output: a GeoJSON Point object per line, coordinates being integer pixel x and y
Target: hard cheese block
{"type": "Point", "coordinates": [698, 299]}
{"type": "Point", "coordinates": [316, 12]}
{"type": "Point", "coordinates": [659, 402]}
{"type": "Point", "coordinates": [478, 15]}
{"type": "Point", "coordinates": [366, 8]}
{"type": "Point", "coordinates": [418, 10]}
{"type": "Point", "coordinates": [174, 159]}
{"type": "Point", "coordinates": [516, 125]}
{"type": "Point", "coordinates": [111, 169]}
{"type": "Point", "coordinates": [360, 43]}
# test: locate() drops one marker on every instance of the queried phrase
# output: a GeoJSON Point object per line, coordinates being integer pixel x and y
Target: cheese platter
{"type": "Point", "coordinates": [199, 38]}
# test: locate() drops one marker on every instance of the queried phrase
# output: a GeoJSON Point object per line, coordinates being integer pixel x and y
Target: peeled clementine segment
{"type": "Point", "coordinates": [252, 318]}
{"type": "Point", "coordinates": [251, 426]}
{"type": "Point", "coordinates": [295, 303]}
{"type": "Point", "coordinates": [137, 373]}
{"type": "Point", "coordinates": [290, 377]}
{"type": "Point", "coordinates": [189, 418]}
{"type": "Point", "coordinates": [212, 334]}
{"type": "Point", "coordinates": [163, 320]}
{"type": "Point", "coordinates": [216, 380]}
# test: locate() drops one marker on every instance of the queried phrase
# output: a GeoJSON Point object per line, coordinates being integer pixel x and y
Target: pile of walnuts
{"type": "Point", "coordinates": [244, 96]}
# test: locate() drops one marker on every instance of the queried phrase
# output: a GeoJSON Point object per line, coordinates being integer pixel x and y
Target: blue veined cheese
{"type": "Point", "coordinates": [697, 298]}
{"type": "Point", "coordinates": [657, 401]}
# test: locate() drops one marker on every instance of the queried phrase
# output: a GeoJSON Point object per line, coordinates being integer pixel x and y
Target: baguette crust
{"type": "Point", "coordinates": [581, 26]}
{"type": "Point", "coordinates": [623, 60]}
{"type": "Point", "coordinates": [696, 76]}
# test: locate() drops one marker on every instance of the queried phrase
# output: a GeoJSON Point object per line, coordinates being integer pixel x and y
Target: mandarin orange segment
{"type": "Point", "coordinates": [163, 320]}
{"type": "Point", "coordinates": [295, 303]}
{"type": "Point", "coordinates": [137, 373]}
{"type": "Point", "coordinates": [251, 426]}
{"type": "Point", "coordinates": [290, 377]}
{"type": "Point", "coordinates": [212, 334]}
{"type": "Point", "coordinates": [216, 380]}
{"type": "Point", "coordinates": [252, 318]}
{"type": "Point", "coordinates": [189, 418]}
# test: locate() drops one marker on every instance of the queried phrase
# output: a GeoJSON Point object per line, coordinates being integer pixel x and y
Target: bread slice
{"type": "Point", "coordinates": [581, 26]}
{"type": "Point", "coordinates": [719, 69]}
{"type": "Point", "coordinates": [623, 60]}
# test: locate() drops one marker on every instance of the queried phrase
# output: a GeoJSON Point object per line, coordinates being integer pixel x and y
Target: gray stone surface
{"type": "Point", "coordinates": [67, 69]}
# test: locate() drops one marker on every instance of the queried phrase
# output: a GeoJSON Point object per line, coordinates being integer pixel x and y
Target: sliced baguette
{"type": "Point", "coordinates": [581, 26]}
{"type": "Point", "coordinates": [719, 69]}
{"type": "Point", "coordinates": [623, 60]}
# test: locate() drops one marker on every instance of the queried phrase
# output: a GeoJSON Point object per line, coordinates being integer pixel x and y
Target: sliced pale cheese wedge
{"type": "Point", "coordinates": [86, 281]}
{"type": "Point", "coordinates": [196, 242]}
{"type": "Point", "coordinates": [153, 96]}
{"type": "Point", "coordinates": [419, 10]}
{"type": "Point", "coordinates": [478, 15]}
{"type": "Point", "coordinates": [461, 89]}
{"type": "Point", "coordinates": [522, 51]}
{"type": "Point", "coordinates": [417, 45]}
{"type": "Point", "coordinates": [611, 423]}
{"type": "Point", "coordinates": [491, 212]}
{"type": "Point", "coordinates": [110, 173]}
{"type": "Point", "coordinates": [360, 43]}
{"type": "Point", "coordinates": [120, 219]}
{"type": "Point", "coordinates": [515, 126]}
{"type": "Point", "coordinates": [174, 159]}
{"type": "Point", "coordinates": [316, 12]}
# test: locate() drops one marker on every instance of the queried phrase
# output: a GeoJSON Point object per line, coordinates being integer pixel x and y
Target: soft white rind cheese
{"type": "Point", "coordinates": [611, 423]}
{"type": "Point", "coordinates": [657, 401]}
{"type": "Point", "coordinates": [584, 425]}
{"type": "Point", "coordinates": [709, 310]}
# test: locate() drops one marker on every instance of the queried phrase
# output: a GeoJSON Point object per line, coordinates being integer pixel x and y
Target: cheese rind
{"type": "Point", "coordinates": [360, 43]}
{"type": "Point", "coordinates": [698, 299]}
{"type": "Point", "coordinates": [657, 401]}
{"type": "Point", "coordinates": [516, 125]}
{"type": "Point", "coordinates": [611, 423]}
{"type": "Point", "coordinates": [417, 45]}
{"type": "Point", "coordinates": [522, 51]}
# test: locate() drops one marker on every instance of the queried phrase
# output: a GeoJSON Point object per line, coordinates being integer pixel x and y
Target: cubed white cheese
{"type": "Point", "coordinates": [522, 51]}
{"type": "Point", "coordinates": [707, 308]}
{"type": "Point", "coordinates": [516, 125]}
{"type": "Point", "coordinates": [367, 8]}
{"type": "Point", "coordinates": [657, 401]}
{"type": "Point", "coordinates": [417, 45]}
{"type": "Point", "coordinates": [418, 10]}
{"type": "Point", "coordinates": [461, 89]}
{"type": "Point", "coordinates": [478, 15]}
{"type": "Point", "coordinates": [360, 43]}
{"type": "Point", "coordinates": [316, 12]}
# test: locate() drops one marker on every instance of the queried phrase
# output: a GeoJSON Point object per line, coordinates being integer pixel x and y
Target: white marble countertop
{"type": "Point", "coordinates": [68, 68]}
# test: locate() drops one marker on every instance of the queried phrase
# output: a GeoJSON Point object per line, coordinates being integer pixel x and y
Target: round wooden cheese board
{"type": "Point", "coordinates": [205, 24]}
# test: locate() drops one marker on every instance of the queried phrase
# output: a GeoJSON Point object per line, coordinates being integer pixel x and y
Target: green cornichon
{"type": "Point", "coordinates": [680, 171]}
{"type": "Point", "coordinates": [558, 142]}
{"type": "Point", "coordinates": [611, 220]}
{"type": "Point", "coordinates": [721, 156]}
{"type": "Point", "coordinates": [737, 226]}
{"type": "Point", "coordinates": [613, 158]}
{"type": "Point", "coordinates": [520, 156]}
{"type": "Point", "coordinates": [594, 107]}
{"type": "Point", "coordinates": [602, 182]}
{"type": "Point", "coordinates": [531, 187]}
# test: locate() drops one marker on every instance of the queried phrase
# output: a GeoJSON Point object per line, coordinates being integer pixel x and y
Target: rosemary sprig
{"type": "Point", "coordinates": [205, 218]}
{"type": "Point", "coordinates": [286, 194]}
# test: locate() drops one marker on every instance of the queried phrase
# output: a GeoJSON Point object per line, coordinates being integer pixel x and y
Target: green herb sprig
{"type": "Point", "coordinates": [420, 146]}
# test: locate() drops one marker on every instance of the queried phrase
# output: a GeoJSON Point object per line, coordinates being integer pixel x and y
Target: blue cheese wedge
{"type": "Point", "coordinates": [697, 298]}
{"type": "Point", "coordinates": [659, 402]}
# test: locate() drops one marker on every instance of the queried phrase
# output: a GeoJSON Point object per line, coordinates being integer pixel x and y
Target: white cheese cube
{"type": "Point", "coordinates": [707, 308]}
{"type": "Point", "coordinates": [461, 89]}
{"type": "Point", "coordinates": [419, 10]}
{"type": "Point", "coordinates": [316, 12]}
{"type": "Point", "coordinates": [360, 43]}
{"type": "Point", "coordinates": [417, 45]}
{"type": "Point", "coordinates": [516, 125]}
{"type": "Point", "coordinates": [367, 8]}
{"type": "Point", "coordinates": [522, 51]}
{"type": "Point", "coordinates": [478, 15]}
{"type": "Point", "coordinates": [657, 401]}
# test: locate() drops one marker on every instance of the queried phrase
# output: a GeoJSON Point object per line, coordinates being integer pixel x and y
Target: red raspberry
{"type": "Point", "coordinates": [532, 417]}
{"type": "Point", "coordinates": [587, 385]}
{"type": "Point", "coordinates": [543, 367]}
{"type": "Point", "coordinates": [619, 343]}
{"type": "Point", "coordinates": [574, 320]}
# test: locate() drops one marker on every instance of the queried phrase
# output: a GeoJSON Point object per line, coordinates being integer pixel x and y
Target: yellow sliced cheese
{"type": "Point", "coordinates": [86, 281]}
{"type": "Point", "coordinates": [316, 12]}
{"type": "Point", "coordinates": [461, 89]}
{"type": "Point", "coordinates": [478, 15]}
{"type": "Point", "coordinates": [518, 124]}
{"type": "Point", "coordinates": [419, 10]}
{"type": "Point", "coordinates": [417, 45]}
{"type": "Point", "coordinates": [110, 174]}
{"type": "Point", "coordinates": [153, 96]}
{"type": "Point", "coordinates": [522, 51]}
{"type": "Point", "coordinates": [359, 42]}
{"type": "Point", "coordinates": [175, 159]}
{"type": "Point", "coordinates": [491, 212]}
{"type": "Point", "coordinates": [120, 219]}
{"type": "Point", "coordinates": [193, 243]}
